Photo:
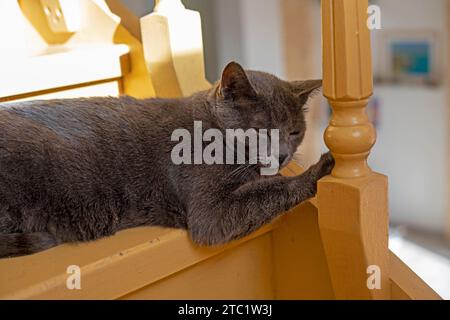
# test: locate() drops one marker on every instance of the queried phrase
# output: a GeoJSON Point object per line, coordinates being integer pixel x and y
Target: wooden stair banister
{"type": "Point", "coordinates": [352, 203]}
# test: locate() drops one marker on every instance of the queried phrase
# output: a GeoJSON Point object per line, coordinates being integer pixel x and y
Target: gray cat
{"type": "Point", "coordinates": [81, 169]}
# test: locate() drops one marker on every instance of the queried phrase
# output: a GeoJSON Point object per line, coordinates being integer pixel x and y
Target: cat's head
{"type": "Point", "coordinates": [251, 99]}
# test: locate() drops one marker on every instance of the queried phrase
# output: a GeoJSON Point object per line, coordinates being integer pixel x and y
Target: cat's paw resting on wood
{"type": "Point", "coordinates": [81, 169]}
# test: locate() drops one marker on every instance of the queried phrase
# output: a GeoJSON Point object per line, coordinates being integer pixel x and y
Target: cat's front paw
{"type": "Point", "coordinates": [324, 166]}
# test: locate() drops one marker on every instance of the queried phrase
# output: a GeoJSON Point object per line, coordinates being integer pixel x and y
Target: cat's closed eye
{"type": "Point", "coordinates": [295, 133]}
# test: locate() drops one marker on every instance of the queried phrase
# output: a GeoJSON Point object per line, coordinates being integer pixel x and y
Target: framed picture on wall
{"type": "Point", "coordinates": [409, 57]}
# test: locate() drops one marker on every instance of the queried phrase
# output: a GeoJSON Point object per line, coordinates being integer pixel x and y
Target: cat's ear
{"type": "Point", "coordinates": [305, 89]}
{"type": "Point", "coordinates": [234, 83]}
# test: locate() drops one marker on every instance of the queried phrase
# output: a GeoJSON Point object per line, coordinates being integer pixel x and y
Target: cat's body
{"type": "Point", "coordinates": [81, 169]}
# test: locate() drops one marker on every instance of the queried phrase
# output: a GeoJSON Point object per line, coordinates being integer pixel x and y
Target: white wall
{"type": "Point", "coordinates": [228, 33]}
{"type": "Point", "coordinates": [412, 137]}
{"type": "Point", "coordinates": [249, 31]}
{"type": "Point", "coordinates": [262, 35]}
{"type": "Point", "coordinates": [412, 151]}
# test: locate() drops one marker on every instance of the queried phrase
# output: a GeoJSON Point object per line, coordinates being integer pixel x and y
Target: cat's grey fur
{"type": "Point", "coordinates": [82, 169]}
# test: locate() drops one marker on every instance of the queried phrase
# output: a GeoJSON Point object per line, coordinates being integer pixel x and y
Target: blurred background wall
{"type": "Point", "coordinates": [283, 37]}
{"type": "Point", "coordinates": [412, 135]}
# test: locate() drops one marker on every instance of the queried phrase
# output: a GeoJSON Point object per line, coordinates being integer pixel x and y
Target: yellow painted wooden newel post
{"type": "Point", "coordinates": [173, 48]}
{"type": "Point", "coordinates": [352, 202]}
